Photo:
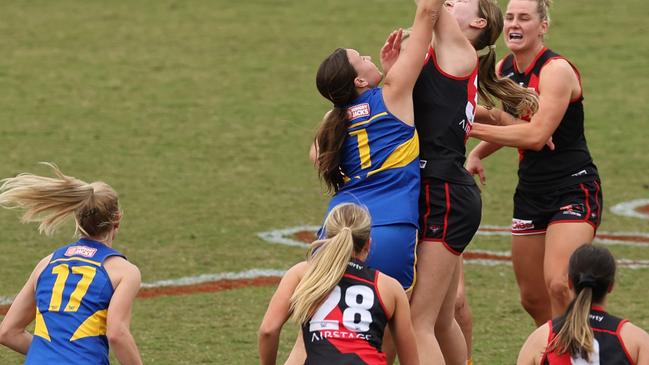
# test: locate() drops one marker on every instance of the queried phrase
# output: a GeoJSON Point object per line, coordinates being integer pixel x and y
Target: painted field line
{"type": "Point", "coordinates": [300, 236]}
{"type": "Point", "coordinates": [206, 283]}
{"type": "Point", "coordinates": [638, 208]}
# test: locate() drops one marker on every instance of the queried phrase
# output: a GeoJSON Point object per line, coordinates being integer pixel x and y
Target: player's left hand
{"type": "Point", "coordinates": [391, 50]}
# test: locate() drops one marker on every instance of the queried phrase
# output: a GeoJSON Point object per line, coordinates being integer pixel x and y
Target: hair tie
{"type": "Point", "coordinates": [346, 229]}
{"type": "Point", "coordinates": [492, 46]}
{"type": "Point", "coordinates": [586, 281]}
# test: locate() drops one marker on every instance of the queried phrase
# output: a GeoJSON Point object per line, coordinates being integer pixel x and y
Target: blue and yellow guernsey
{"type": "Point", "coordinates": [72, 297]}
{"type": "Point", "coordinates": [380, 160]}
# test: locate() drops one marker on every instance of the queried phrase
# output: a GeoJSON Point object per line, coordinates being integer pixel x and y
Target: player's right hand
{"type": "Point", "coordinates": [474, 166]}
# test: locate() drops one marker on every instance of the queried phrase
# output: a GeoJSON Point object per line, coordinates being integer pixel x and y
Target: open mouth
{"type": "Point", "coordinates": [515, 36]}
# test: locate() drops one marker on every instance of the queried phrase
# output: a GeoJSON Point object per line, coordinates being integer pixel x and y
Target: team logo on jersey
{"type": "Point", "coordinates": [573, 209]}
{"type": "Point", "coordinates": [521, 224]}
{"type": "Point", "coordinates": [84, 251]}
{"type": "Point", "coordinates": [358, 111]}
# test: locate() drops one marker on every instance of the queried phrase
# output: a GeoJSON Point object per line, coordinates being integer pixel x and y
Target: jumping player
{"type": "Point", "coordinates": [586, 334]}
{"type": "Point", "coordinates": [81, 295]}
{"type": "Point", "coordinates": [558, 200]}
{"type": "Point", "coordinates": [342, 305]}
{"type": "Point", "coordinates": [445, 100]}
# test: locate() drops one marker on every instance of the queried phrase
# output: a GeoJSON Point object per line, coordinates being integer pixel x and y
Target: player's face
{"type": "Point", "coordinates": [366, 70]}
{"type": "Point", "coordinates": [523, 27]}
{"type": "Point", "coordinates": [464, 11]}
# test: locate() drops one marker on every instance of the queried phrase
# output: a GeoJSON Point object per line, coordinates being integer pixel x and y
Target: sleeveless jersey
{"type": "Point", "coordinates": [347, 328]}
{"type": "Point", "coordinates": [570, 163]}
{"type": "Point", "coordinates": [72, 297]}
{"type": "Point", "coordinates": [380, 162]}
{"type": "Point", "coordinates": [444, 112]}
{"type": "Point", "coordinates": [609, 347]}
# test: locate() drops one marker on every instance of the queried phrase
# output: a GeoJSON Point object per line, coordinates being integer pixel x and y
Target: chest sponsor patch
{"type": "Point", "coordinates": [359, 111]}
{"type": "Point", "coordinates": [521, 224]}
{"type": "Point", "coordinates": [84, 251]}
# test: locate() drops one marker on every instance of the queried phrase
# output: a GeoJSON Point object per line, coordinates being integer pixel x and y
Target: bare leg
{"type": "Point", "coordinates": [298, 353]}
{"type": "Point", "coordinates": [447, 330]}
{"type": "Point", "coordinates": [561, 240]}
{"type": "Point", "coordinates": [527, 256]}
{"type": "Point", "coordinates": [436, 275]}
{"type": "Point", "coordinates": [463, 314]}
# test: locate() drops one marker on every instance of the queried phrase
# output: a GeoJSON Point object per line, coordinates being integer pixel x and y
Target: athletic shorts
{"type": "Point", "coordinates": [449, 213]}
{"type": "Point", "coordinates": [534, 212]}
{"type": "Point", "coordinates": [393, 252]}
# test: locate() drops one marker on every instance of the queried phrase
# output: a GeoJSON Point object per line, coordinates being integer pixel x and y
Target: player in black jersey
{"type": "Point", "coordinates": [445, 100]}
{"type": "Point", "coordinates": [586, 334]}
{"type": "Point", "coordinates": [558, 200]}
{"type": "Point", "coordinates": [342, 306]}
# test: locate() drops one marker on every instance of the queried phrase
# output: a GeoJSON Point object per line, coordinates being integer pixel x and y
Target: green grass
{"type": "Point", "coordinates": [201, 114]}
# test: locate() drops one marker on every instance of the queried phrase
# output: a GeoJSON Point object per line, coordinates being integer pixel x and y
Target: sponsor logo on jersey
{"type": "Point", "coordinates": [580, 173]}
{"type": "Point", "coordinates": [355, 265]}
{"type": "Point", "coordinates": [84, 251]}
{"type": "Point", "coordinates": [573, 209]}
{"type": "Point", "coordinates": [522, 224]}
{"type": "Point", "coordinates": [596, 317]}
{"type": "Point", "coordinates": [359, 111]}
{"type": "Point", "coordinates": [321, 335]}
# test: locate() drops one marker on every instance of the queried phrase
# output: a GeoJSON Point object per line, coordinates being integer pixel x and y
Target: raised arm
{"type": "Point", "coordinates": [21, 314]}
{"type": "Point", "coordinates": [455, 53]}
{"type": "Point", "coordinates": [277, 314]}
{"type": "Point", "coordinates": [118, 320]}
{"type": "Point", "coordinates": [558, 85]}
{"type": "Point", "coordinates": [400, 80]}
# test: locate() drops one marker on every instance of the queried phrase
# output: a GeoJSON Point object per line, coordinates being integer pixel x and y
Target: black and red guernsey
{"type": "Point", "coordinates": [444, 108]}
{"type": "Point", "coordinates": [609, 347]}
{"type": "Point", "coordinates": [570, 163]}
{"type": "Point", "coordinates": [347, 328]}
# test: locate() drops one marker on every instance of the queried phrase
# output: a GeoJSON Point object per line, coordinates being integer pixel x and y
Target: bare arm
{"type": "Point", "coordinates": [636, 341]}
{"type": "Point", "coordinates": [474, 160]}
{"type": "Point", "coordinates": [533, 349]}
{"type": "Point", "coordinates": [455, 54]}
{"type": "Point", "coordinates": [400, 80]}
{"type": "Point", "coordinates": [401, 324]}
{"type": "Point", "coordinates": [556, 94]}
{"type": "Point", "coordinates": [118, 319]}
{"type": "Point", "coordinates": [22, 313]}
{"type": "Point", "coordinates": [277, 314]}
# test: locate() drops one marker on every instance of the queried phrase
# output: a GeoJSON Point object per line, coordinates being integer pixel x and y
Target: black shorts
{"type": "Point", "coordinates": [449, 213]}
{"type": "Point", "coordinates": [534, 212]}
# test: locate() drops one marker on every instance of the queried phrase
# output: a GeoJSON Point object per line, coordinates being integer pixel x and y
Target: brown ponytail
{"type": "Point", "coordinates": [335, 81]}
{"type": "Point", "coordinates": [591, 271]}
{"type": "Point", "coordinates": [513, 96]}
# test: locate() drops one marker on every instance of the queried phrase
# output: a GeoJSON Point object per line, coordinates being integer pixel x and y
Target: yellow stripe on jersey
{"type": "Point", "coordinates": [40, 329]}
{"type": "Point", "coordinates": [95, 325]}
{"type": "Point", "coordinates": [77, 259]}
{"type": "Point", "coordinates": [402, 155]}
{"type": "Point", "coordinates": [368, 121]}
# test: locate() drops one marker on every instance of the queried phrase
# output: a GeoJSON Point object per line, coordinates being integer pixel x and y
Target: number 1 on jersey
{"type": "Point", "coordinates": [363, 147]}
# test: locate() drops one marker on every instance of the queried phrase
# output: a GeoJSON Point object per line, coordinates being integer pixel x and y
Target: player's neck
{"type": "Point", "coordinates": [524, 58]}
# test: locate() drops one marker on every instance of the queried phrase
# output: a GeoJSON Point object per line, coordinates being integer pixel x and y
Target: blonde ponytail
{"type": "Point", "coordinates": [51, 201]}
{"type": "Point", "coordinates": [347, 230]}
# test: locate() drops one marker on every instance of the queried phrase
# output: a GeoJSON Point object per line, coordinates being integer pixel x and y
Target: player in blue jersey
{"type": "Point", "coordinates": [81, 295]}
{"type": "Point", "coordinates": [586, 334]}
{"type": "Point", "coordinates": [342, 305]}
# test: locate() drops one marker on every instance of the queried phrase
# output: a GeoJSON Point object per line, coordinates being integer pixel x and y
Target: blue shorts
{"type": "Point", "coordinates": [393, 251]}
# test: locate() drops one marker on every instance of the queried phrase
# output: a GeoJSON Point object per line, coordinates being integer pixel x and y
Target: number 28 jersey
{"type": "Point", "coordinates": [347, 328]}
{"type": "Point", "coordinates": [72, 297]}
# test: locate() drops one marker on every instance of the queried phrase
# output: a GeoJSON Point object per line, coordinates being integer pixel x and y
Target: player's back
{"type": "Point", "coordinates": [72, 296]}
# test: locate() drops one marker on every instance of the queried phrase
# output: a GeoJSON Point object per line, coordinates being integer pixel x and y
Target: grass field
{"type": "Point", "coordinates": [201, 114]}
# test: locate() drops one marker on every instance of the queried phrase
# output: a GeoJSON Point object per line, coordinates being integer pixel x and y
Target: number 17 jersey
{"type": "Point", "coordinates": [72, 297]}
{"type": "Point", "coordinates": [347, 328]}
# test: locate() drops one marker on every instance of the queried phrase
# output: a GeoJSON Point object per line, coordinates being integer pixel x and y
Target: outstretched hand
{"type": "Point", "coordinates": [391, 50]}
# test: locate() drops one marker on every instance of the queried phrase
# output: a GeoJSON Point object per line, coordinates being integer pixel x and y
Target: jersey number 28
{"type": "Point", "coordinates": [356, 317]}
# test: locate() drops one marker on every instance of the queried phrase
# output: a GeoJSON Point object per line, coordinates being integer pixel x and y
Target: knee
{"type": "Point", "coordinates": [558, 289]}
{"type": "Point", "coordinates": [534, 301]}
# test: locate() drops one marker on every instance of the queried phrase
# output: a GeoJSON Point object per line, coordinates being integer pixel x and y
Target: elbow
{"type": "Point", "coordinates": [536, 144]}
{"type": "Point", "coordinates": [117, 335]}
{"type": "Point", "coordinates": [266, 332]}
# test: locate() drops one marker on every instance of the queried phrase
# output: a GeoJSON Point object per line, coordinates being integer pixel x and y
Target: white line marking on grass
{"type": "Point", "coordinates": [629, 209]}
{"type": "Point", "coordinates": [6, 300]}
{"type": "Point", "coordinates": [206, 278]}
{"type": "Point", "coordinates": [283, 236]}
